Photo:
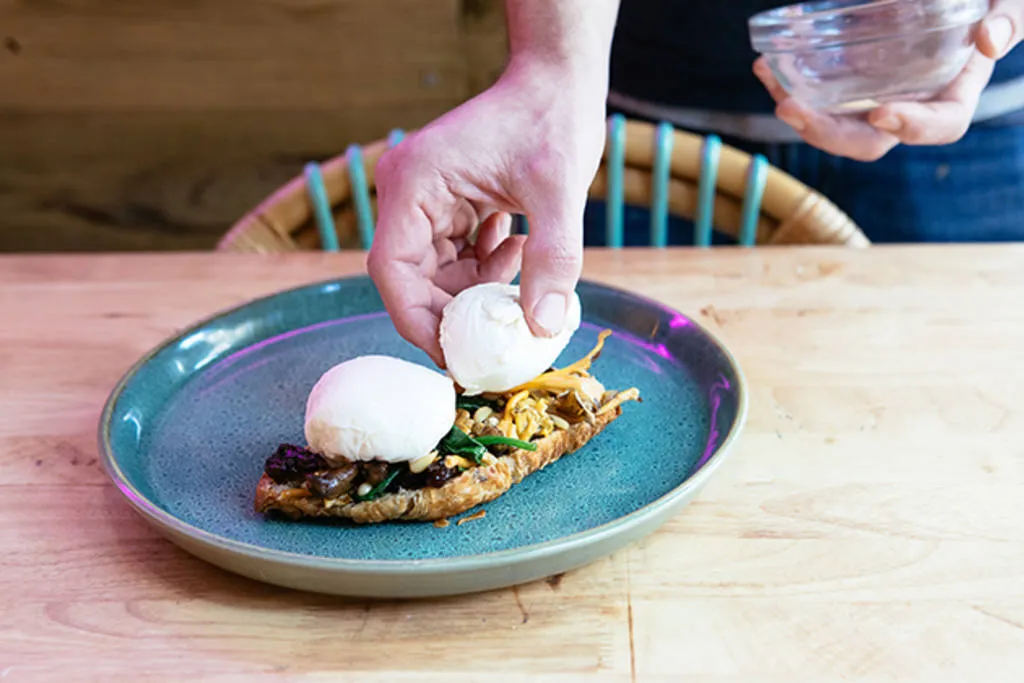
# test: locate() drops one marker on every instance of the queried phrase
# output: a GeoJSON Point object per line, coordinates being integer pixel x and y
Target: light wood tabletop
{"type": "Point", "coordinates": [869, 526]}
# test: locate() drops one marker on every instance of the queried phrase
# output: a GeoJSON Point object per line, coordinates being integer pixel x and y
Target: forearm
{"type": "Point", "coordinates": [574, 36]}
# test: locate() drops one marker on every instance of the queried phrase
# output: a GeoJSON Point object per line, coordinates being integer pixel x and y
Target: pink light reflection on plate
{"type": "Point", "coordinates": [715, 398]}
{"type": "Point", "coordinates": [678, 321]}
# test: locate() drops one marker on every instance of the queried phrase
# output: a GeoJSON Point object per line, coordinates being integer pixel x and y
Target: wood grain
{"type": "Point", "coordinates": [868, 527]}
{"type": "Point", "coordinates": [156, 125]}
{"type": "Point", "coordinates": [161, 180]}
{"type": "Point", "coordinates": [232, 54]}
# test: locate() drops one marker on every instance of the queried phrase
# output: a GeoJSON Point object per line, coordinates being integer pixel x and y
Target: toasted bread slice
{"type": "Point", "coordinates": [528, 414]}
{"type": "Point", "coordinates": [469, 489]}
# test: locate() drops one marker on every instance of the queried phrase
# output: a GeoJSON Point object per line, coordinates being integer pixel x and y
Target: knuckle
{"type": "Point", "coordinates": [947, 123]}
{"type": "Point", "coordinates": [555, 168]}
{"type": "Point", "coordinates": [562, 259]}
{"type": "Point", "coordinates": [385, 168]}
{"type": "Point", "coordinates": [409, 156]}
{"type": "Point", "coordinates": [376, 264]}
{"type": "Point", "coordinates": [546, 170]}
{"type": "Point", "coordinates": [912, 130]}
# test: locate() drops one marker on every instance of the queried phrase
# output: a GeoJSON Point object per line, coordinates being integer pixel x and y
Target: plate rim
{"type": "Point", "coordinates": [397, 567]}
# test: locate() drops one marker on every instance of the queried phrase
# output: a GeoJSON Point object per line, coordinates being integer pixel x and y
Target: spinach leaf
{"type": "Point", "coordinates": [458, 442]}
{"type": "Point", "coordinates": [506, 441]}
{"type": "Point", "coordinates": [379, 488]}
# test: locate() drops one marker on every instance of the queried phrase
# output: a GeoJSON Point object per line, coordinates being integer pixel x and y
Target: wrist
{"type": "Point", "coordinates": [566, 42]}
{"type": "Point", "coordinates": [585, 82]}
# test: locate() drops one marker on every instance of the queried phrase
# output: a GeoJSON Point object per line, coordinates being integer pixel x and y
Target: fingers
{"type": "Point", "coordinates": [767, 78]}
{"type": "Point", "coordinates": [552, 263]}
{"type": "Point", "coordinates": [839, 135]}
{"type": "Point", "coordinates": [400, 263]}
{"type": "Point", "coordinates": [413, 302]}
{"type": "Point", "coordinates": [1001, 30]}
{"type": "Point", "coordinates": [501, 265]}
{"type": "Point", "coordinates": [496, 257]}
{"type": "Point", "coordinates": [941, 121]}
{"type": "Point", "coordinates": [493, 232]}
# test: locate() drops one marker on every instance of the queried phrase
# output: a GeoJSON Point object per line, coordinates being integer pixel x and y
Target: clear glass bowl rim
{"type": "Point", "coordinates": [823, 23]}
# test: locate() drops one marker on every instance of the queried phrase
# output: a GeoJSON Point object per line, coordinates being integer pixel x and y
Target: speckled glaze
{"type": "Point", "coordinates": [185, 434]}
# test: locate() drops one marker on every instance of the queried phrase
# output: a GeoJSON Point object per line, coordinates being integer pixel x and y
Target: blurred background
{"type": "Point", "coordinates": [156, 124]}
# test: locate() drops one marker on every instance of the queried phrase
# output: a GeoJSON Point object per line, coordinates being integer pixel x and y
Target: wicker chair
{"type": "Point", "coordinates": [331, 206]}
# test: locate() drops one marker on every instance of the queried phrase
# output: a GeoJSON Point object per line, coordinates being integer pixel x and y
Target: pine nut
{"type": "Point", "coordinates": [420, 464]}
{"type": "Point", "coordinates": [559, 422]}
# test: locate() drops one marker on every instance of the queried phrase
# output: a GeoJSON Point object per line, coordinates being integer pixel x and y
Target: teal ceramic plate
{"type": "Point", "coordinates": [185, 433]}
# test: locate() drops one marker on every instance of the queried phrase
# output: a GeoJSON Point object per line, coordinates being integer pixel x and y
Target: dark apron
{"type": "Point", "coordinates": [694, 57]}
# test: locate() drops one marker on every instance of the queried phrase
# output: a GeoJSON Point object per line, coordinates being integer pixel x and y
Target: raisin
{"type": "Point", "coordinates": [290, 464]}
{"type": "Point", "coordinates": [438, 474]}
{"type": "Point", "coordinates": [411, 481]}
{"type": "Point", "coordinates": [375, 472]}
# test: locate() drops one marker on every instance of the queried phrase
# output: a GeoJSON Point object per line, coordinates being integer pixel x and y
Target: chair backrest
{"type": "Point", "coordinates": [332, 205]}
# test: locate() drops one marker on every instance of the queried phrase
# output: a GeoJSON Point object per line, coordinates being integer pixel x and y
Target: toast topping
{"type": "Point", "coordinates": [486, 428]}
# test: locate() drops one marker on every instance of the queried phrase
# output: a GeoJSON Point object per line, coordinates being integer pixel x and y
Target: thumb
{"type": "Point", "coordinates": [1001, 29]}
{"type": "Point", "coordinates": [552, 263]}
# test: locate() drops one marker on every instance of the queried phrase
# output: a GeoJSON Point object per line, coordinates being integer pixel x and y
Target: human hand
{"type": "Point", "coordinates": [940, 121]}
{"type": "Point", "coordinates": [531, 144]}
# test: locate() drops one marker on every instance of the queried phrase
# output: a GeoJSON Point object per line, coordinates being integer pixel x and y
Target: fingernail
{"type": "Point", "coordinates": [889, 124]}
{"type": "Point", "coordinates": [549, 313]}
{"type": "Point", "coordinates": [1000, 31]}
{"type": "Point", "coordinates": [793, 121]}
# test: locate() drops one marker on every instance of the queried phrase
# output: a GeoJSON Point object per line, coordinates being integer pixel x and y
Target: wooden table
{"type": "Point", "coordinates": [870, 526]}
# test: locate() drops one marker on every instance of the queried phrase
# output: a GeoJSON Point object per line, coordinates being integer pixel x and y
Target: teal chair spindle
{"type": "Point", "coordinates": [395, 137]}
{"type": "Point", "coordinates": [756, 180]}
{"type": "Point", "coordinates": [360, 194]}
{"type": "Point", "coordinates": [704, 216]}
{"type": "Point", "coordinates": [661, 183]}
{"type": "Point", "coordinates": [614, 207]}
{"type": "Point", "coordinates": [661, 174]}
{"type": "Point", "coordinates": [757, 177]}
{"type": "Point", "coordinates": [321, 207]}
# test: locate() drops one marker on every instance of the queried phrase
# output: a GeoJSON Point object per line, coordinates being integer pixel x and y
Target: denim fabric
{"type": "Point", "coordinates": [971, 191]}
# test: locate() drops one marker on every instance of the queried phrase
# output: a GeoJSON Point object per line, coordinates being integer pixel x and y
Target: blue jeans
{"type": "Point", "coordinates": [970, 191]}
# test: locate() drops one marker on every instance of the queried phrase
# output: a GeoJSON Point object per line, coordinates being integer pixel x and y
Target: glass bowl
{"type": "Point", "coordinates": [849, 56]}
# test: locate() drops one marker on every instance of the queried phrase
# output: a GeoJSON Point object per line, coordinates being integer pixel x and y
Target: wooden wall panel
{"type": "Point", "coordinates": [155, 125]}
{"type": "Point", "coordinates": [268, 54]}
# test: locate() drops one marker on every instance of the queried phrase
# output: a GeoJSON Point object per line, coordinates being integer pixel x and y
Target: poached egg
{"type": "Point", "coordinates": [378, 408]}
{"type": "Point", "coordinates": [487, 344]}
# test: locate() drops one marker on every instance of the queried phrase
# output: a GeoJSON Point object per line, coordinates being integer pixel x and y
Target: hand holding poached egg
{"type": "Point", "coordinates": [487, 343]}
